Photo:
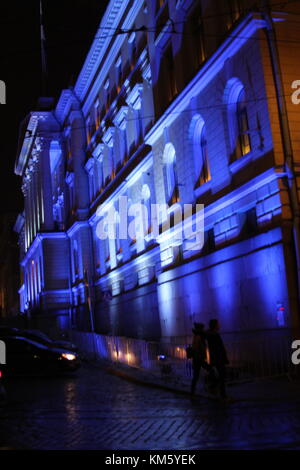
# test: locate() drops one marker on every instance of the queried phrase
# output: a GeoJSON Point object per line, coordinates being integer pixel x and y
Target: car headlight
{"type": "Point", "coordinates": [68, 356]}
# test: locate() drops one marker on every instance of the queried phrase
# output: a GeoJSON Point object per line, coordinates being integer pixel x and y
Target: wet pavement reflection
{"type": "Point", "coordinates": [96, 410]}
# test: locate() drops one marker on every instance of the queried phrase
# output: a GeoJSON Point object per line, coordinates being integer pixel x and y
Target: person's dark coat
{"type": "Point", "coordinates": [217, 351]}
{"type": "Point", "coordinates": [199, 344]}
{"type": "Point", "coordinates": [199, 347]}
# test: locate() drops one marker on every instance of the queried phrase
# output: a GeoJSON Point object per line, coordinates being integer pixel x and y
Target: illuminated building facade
{"type": "Point", "coordinates": [180, 105]}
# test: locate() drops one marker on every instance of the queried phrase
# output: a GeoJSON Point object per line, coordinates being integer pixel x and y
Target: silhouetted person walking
{"type": "Point", "coordinates": [218, 354]}
{"type": "Point", "coordinates": [199, 354]}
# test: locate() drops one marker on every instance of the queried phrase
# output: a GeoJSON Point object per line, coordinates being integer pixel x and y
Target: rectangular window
{"type": "Point", "coordinates": [88, 130]}
{"type": "Point", "coordinates": [118, 73]}
{"type": "Point", "coordinates": [162, 17]}
{"type": "Point", "coordinates": [199, 36]}
{"type": "Point", "coordinates": [250, 221]}
{"type": "Point", "coordinates": [71, 196]}
{"type": "Point", "coordinates": [132, 50]}
{"type": "Point", "coordinates": [97, 114]}
{"type": "Point", "coordinates": [92, 184]}
{"type": "Point", "coordinates": [235, 11]}
{"type": "Point", "coordinates": [106, 94]}
{"type": "Point", "coordinates": [170, 71]}
{"type": "Point", "coordinates": [209, 241]}
{"type": "Point", "coordinates": [159, 4]}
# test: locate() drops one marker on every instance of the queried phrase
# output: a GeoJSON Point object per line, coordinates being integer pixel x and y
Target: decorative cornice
{"type": "Point", "coordinates": [94, 72]}
{"type": "Point", "coordinates": [27, 144]}
{"type": "Point", "coordinates": [63, 105]}
{"type": "Point", "coordinates": [110, 21]}
{"type": "Point", "coordinates": [32, 138]}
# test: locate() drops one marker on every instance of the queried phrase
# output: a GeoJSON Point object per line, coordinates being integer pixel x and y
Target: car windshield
{"type": "Point", "coordinates": [19, 343]}
{"type": "Point", "coordinates": [38, 334]}
{"type": "Point", "coordinates": [35, 338]}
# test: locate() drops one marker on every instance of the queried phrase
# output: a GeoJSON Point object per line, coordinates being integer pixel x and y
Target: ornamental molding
{"type": "Point", "coordinates": [134, 97]}
{"type": "Point", "coordinates": [145, 66]}
{"type": "Point", "coordinates": [90, 164]}
{"type": "Point", "coordinates": [98, 151]}
{"type": "Point", "coordinates": [91, 80]}
{"type": "Point", "coordinates": [120, 118]}
{"type": "Point", "coordinates": [111, 18]}
{"type": "Point", "coordinates": [64, 105]}
{"type": "Point", "coordinates": [108, 136]}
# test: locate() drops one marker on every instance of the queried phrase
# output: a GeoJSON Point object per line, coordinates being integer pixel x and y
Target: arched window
{"type": "Point", "coordinates": [200, 152]}
{"type": "Point", "coordinates": [238, 127]}
{"type": "Point", "coordinates": [171, 174]}
{"type": "Point", "coordinates": [242, 122]}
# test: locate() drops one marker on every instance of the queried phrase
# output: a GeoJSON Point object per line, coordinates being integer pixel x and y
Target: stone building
{"type": "Point", "coordinates": [187, 102]}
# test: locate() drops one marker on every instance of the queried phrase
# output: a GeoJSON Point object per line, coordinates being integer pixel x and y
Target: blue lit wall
{"type": "Point", "coordinates": [241, 285]}
{"type": "Point", "coordinates": [155, 289]}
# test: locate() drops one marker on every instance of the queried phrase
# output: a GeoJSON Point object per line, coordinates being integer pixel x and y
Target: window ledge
{"type": "Point", "coordinates": [241, 162]}
{"type": "Point", "coordinates": [203, 188]}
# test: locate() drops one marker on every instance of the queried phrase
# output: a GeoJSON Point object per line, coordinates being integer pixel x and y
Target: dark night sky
{"type": "Point", "coordinates": [70, 26]}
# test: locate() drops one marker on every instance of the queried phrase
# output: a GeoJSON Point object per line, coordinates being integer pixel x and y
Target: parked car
{"type": "Point", "coordinates": [37, 336]}
{"type": "Point", "coordinates": [41, 337]}
{"type": "Point", "coordinates": [24, 356]}
{"type": "Point", "coordinates": [8, 331]}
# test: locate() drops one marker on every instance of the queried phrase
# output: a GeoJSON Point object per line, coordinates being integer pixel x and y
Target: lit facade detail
{"type": "Point", "coordinates": [150, 122]}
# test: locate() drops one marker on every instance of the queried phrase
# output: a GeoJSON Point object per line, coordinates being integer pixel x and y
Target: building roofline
{"type": "Point", "coordinates": [110, 20]}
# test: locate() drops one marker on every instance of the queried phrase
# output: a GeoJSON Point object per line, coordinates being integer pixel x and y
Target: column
{"type": "Point", "coordinates": [78, 146]}
{"type": "Point", "coordinates": [29, 212]}
{"type": "Point", "coordinates": [37, 190]}
{"type": "Point", "coordinates": [46, 181]}
{"type": "Point", "coordinates": [120, 122]}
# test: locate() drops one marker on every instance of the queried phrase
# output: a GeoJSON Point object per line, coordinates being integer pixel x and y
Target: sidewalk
{"type": "Point", "coordinates": [276, 389]}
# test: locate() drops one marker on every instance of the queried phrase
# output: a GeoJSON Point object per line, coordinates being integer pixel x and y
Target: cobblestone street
{"type": "Point", "coordinates": [97, 410]}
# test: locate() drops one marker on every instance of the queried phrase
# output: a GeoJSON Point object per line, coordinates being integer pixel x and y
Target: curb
{"type": "Point", "coordinates": [150, 383]}
{"type": "Point", "coordinates": [130, 378]}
